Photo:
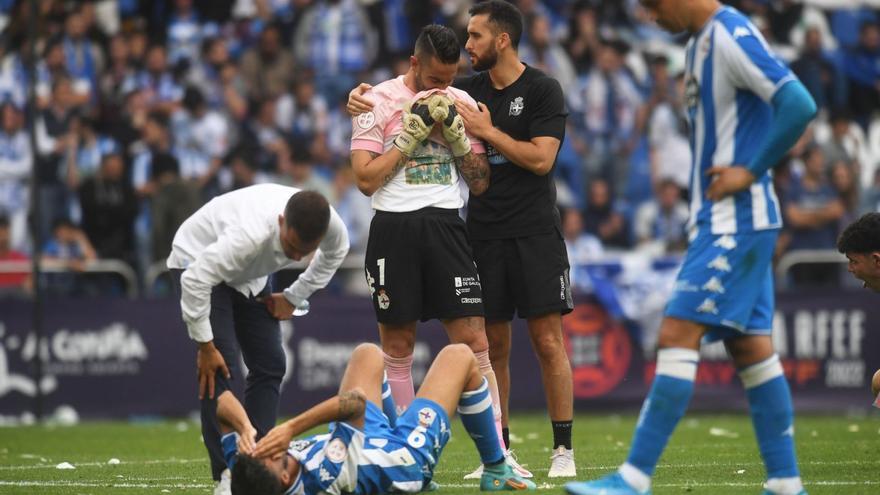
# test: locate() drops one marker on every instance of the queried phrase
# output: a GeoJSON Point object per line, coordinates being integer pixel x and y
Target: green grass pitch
{"type": "Point", "coordinates": [709, 454]}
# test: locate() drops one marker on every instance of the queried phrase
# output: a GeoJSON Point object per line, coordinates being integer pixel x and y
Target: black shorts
{"type": "Point", "coordinates": [419, 266]}
{"type": "Point", "coordinates": [528, 275]}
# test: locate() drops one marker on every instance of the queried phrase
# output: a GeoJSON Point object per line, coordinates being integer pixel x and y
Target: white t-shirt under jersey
{"type": "Point", "coordinates": [430, 177]}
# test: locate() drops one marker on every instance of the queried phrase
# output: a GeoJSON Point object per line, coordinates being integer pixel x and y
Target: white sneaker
{"type": "Point", "coordinates": [522, 472]}
{"type": "Point", "coordinates": [224, 486]}
{"type": "Point", "coordinates": [562, 463]}
{"type": "Point", "coordinates": [510, 459]}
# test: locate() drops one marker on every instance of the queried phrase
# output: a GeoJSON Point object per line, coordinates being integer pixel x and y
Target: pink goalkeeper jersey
{"type": "Point", "coordinates": [429, 177]}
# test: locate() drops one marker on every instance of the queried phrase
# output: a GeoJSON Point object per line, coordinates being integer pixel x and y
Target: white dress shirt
{"type": "Point", "coordinates": [235, 239]}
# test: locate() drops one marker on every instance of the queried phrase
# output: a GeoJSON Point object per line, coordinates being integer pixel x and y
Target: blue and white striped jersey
{"type": "Point", "coordinates": [348, 460]}
{"type": "Point", "coordinates": [731, 77]}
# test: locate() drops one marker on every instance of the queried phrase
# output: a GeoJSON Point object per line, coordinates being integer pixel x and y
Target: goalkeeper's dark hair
{"type": "Point", "coordinates": [504, 17]}
{"type": "Point", "coordinates": [438, 41]}
{"type": "Point", "coordinates": [308, 213]}
{"type": "Point", "coordinates": [861, 236]}
{"type": "Point", "coordinates": [252, 477]}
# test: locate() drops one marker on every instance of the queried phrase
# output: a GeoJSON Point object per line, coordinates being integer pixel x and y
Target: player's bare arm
{"type": "Point", "coordinates": [537, 155]}
{"type": "Point", "coordinates": [727, 181]}
{"type": "Point", "coordinates": [373, 170]}
{"type": "Point", "coordinates": [474, 169]}
{"type": "Point", "coordinates": [232, 417]}
{"type": "Point", "coordinates": [348, 406]}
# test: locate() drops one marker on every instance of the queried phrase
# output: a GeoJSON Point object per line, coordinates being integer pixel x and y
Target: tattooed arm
{"type": "Point", "coordinates": [348, 406]}
{"type": "Point", "coordinates": [474, 169]}
{"type": "Point", "coordinates": [373, 170]}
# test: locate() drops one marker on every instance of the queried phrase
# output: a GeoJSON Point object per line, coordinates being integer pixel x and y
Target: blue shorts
{"type": "Point", "coordinates": [424, 428]}
{"type": "Point", "coordinates": [726, 283]}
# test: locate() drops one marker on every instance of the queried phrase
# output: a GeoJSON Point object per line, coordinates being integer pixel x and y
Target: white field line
{"type": "Point", "coordinates": [95, 464]}
{"type": "Point", "coordinates": [444, 471]}
{"type": "Point", "coordinates": [543, 486]}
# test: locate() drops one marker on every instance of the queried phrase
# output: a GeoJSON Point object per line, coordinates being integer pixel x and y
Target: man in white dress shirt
{"type": "Point", "coordinates": [221, 259]}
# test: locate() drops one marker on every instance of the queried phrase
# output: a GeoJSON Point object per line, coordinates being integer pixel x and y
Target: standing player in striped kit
{"type": "Point", "coordinates": [745, 109]}
{"type": "Point", "coordinates": [369, 450]}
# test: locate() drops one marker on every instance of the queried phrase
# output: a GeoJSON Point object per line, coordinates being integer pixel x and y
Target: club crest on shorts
{"type": "Point", "coordinates": [336, 450]}
{"type": "Point", "coordinates": [426, 417]}
{"type": "Point", "coordinates": [383, 299]}
{"type": "Point", "coordinates": [516, 106]}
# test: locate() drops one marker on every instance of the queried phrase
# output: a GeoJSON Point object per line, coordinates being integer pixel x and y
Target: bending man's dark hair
{"type": "Point", "coordinates": [252, 477]}
{"type": "Point", "coordinates": [308, 213]}
{"type": "Point", "coordinates": [861, 236]}
{"type": "Point", "coordinates": [504, 18]}
{"type": "Point", "coordinates": [437, 41]}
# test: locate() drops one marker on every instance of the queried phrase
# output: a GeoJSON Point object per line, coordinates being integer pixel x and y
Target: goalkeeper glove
{"type": "Point", "coordinates": [453, 126]}
{"type": "Point", "coordinates": [417, 124]}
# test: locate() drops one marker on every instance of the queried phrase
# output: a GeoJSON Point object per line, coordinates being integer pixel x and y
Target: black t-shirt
{"type": "Point", "coordinates": [518, 203]}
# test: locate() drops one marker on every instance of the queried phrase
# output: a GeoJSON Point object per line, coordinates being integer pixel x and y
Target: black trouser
{"type": "Point", "coordinates": [241, 323]}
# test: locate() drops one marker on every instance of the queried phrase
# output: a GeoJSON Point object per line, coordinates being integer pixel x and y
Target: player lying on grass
{"type": "Point", "coordinates": [368, 450]}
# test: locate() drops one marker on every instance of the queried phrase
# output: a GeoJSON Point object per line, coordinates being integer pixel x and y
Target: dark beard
{"type": "Point", "coordinates": [486, 63]}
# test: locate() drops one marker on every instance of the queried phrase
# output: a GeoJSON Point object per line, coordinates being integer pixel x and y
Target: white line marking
{"type": "Point", "coordinates": [103, 464]}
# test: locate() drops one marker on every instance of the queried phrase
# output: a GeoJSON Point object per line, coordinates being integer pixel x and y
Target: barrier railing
{"type": "Point", "coordinates": [113, 266]}
{"type": "Point", "coordinates": [804, 256]}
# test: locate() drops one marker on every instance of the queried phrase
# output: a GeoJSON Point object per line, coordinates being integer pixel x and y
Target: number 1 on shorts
{"type": "Point", "coordinates": [381, 263]}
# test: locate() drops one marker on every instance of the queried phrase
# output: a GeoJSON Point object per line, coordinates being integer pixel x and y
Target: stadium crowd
{"type": "Point", "coordinates": [146, 110]}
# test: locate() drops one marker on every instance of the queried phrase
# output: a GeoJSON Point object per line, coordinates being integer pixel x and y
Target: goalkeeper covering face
{"type": "Point", "coordinates": [410, 154]}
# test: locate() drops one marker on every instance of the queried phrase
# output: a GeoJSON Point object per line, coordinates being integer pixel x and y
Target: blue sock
{"type": "Point", "coordinates": [663, 408]}
{"type": "Point", "coordinates": [388, 402]}
{"type": "Point", "coordinates": [229, 442]}
{"type": "Point", "coordinates": [475, 409]}
{"type": "Point", "coordinates": [772, 416]}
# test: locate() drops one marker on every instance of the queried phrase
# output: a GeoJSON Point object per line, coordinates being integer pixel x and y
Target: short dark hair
{"type": "Point", "coordinates": [438, 41]}
{"type": "Point", "coordinates": [861, 236]}
{"type": "Point", "coordinates": [505, 17]}
{"type": "Point", "coordinates": [308, 213]}
{"type": "Point", "coordinates": [252, 477]}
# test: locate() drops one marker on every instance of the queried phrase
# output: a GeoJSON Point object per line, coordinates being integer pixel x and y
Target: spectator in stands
{"type": "Point", "coordinates": [200, 141]}
{"type": "Point", "coordinates": [70, 249]}
{"type": "Point", "coordinates": [582, 247]}
{"type": "Point", "coordinates": [812, 212]}
{"type": "Point", "coordinates": [16, 162]}
{"type": "Point", "coordinates": [604, 110]}
{"type": "Point", "coordinates": [244, 169]}
{"type": "Point", "coordinates": [83, 158]}
{"type": "Point", "coordinates": [871, 196]}
{"type": "Point", "coordinates": [83, 59]}
{"type": "Point", "coordinates": [53, 67]}
{"type": "Point", "coordinates": [543, 52]}
{"type": "Point", "coordinates": [843, 180]}
{"type": "Point", "coordinates": [303, 115]}
{"type": "Point", "coordinates": [862, 65]}
{"type": "Point", "coordinates": [162, 90]}
{"type": "Point", "coordinates": [109, 207]}
{"type": "Point", "coordinates": [846, 142]}
{"type": "Point", "coordinates": [219, 79]}
{"type": "Point", "coordinates": [12, 282]}
{"type": "Point", "coordinates": [56, 135]}
{"type": "Point", "coordinates": [335, 40]}
{"type": "Point", "coordinates": [668, 147]}
{"type": "Point", "coordinates": [301, 173]}
{"type": "Point", "coordinates": [120, 68]}
{"type": "Point", "coordinates": [184, 33]}
{"type": "Point", "coordinates": [818, 73]}
{"type": "Point", "coordinates": [601, 217]}
{"type": "Point", "coordinates": [267, 68]}
{"type": "Point", "coordinates": [663, 220]}
{"type": "Point", "coordinates": [262, 133]}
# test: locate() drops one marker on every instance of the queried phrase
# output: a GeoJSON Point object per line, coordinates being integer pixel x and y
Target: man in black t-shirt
{"type": "Point", "coordinates": [514, 227]}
